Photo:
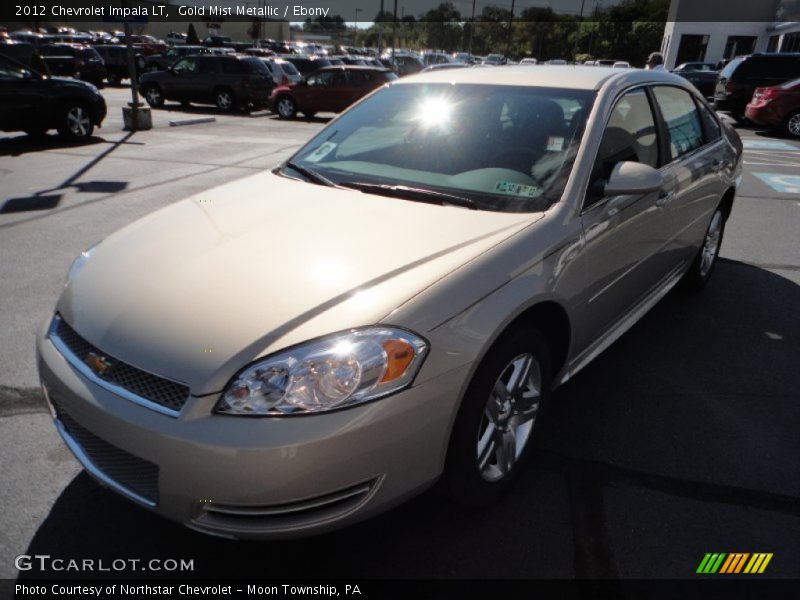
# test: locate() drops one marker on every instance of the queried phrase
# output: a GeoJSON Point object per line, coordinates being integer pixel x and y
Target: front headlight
{"type": "Point", "coordinates": [338, 371]}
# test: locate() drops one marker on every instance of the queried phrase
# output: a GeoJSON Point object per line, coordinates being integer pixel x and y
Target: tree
{"type": "Point", "coordinates": [191, 36]}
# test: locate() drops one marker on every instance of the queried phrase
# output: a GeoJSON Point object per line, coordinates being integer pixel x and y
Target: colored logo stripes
{"type": "Point", "coordinates": [734, 562]}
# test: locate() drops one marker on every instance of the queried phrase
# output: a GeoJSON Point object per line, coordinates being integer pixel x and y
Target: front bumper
{"type": "Point", "coordinates": [255, 477]}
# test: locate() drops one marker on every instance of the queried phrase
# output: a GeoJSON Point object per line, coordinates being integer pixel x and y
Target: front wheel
{"type": "Point", "coordinates": [224, 100]}
{"type": "Point", "coordinates": [700, 272]}
{"type": "Point", "coordinates": [154, 96]}
{"type": "Point", "coordinates": [286, 108]}
{"type": "Point", "coordinates": [76, 122]}
{"type": "Point", "coordinates": [493, 432]}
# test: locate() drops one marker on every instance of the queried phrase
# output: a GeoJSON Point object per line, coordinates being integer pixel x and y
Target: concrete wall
{"type": "Point", "coordinates": [718, 36]}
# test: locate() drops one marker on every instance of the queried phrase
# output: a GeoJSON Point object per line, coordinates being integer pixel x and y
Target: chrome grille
{"type": "Point", "coordinates": [164, 392]}
{"type": "Point", "coordinates": [128, 474]}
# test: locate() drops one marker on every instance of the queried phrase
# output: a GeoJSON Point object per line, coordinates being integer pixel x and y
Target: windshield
{"type": "Point", "coordinates": [504, 148]}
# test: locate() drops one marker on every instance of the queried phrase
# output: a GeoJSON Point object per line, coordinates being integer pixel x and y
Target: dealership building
{"type": "Point", "coordinates": [694, 31]}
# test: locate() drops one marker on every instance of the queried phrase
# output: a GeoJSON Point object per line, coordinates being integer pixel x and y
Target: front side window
{"type": "Point", "coordinates": [682, 119]}
{"type": "Point", "coordinates": [503, 148]}
{"type": "Point", "coordinates": [630, 135]}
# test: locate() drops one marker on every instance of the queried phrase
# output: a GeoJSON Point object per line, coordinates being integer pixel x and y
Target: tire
{"type": "Point", "coordinates": [309, 114]}
{"type": "Point", "coordinates": [185, 104]}
{"type": "Point", "coordinates": [114, 79]}
{"type": "Point", "coordinates": [286, 107]}
{"type": "Point", "coordinates": [703, 265]}
{"type": "Point", "coordinates": [791, 125]}
{"type": "Point", "coordinates": [495, 414]}
{"type": "Point", "coordinates": [225, 100]}
{"type": "Point", "coordinates": [153, 95]}
{"type": "Point", "coordinates": [75, 122]}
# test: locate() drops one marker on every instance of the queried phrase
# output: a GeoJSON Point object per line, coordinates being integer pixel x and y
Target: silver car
{"type": "Point", "coordinates": [303, 348]}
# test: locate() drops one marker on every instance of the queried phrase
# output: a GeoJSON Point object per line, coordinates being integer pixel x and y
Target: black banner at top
{"type": "Point", "coordinates": [768, 12]}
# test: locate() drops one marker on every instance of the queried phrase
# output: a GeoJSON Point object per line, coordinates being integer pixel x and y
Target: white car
{"type": "Point", "coordinates": [529, 61]}
{"type": "Point", "coordinates": [621, 64]}
{"type": "Point", "coordinates": [283, 72]}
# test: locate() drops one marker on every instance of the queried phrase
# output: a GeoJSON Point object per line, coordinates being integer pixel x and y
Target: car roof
{"type": "Point", "coordinates": [567, 76]}
{"type": "Point", "coordinates": [353, 68]}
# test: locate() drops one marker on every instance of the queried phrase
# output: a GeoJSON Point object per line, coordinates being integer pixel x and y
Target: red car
{"type": "Point", "coordinates": [777, 106]}
{"type": "Point", "coordinates": [331, 89]}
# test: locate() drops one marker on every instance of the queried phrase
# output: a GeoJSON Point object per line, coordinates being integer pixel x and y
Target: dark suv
{"type": "Point", "coordinates": [116, 60]}
{"type": "Point", "coordinates": [74, 60]}
{"type": "Point", "coordinates": [34, 103]}
{"type": "Point", "coordinates": [740, 77]}
{"type": "Point", "coordinates": [228, 81]}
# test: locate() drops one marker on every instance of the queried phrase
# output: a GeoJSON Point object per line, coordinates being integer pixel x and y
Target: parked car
{"type": "Point", "coordinates": [217, 41]}
{"type": "Point", "coordinates": [331, 89]}
{"type": "Point", "coordinates": [495, 59]}
{"type": "Point", "coordinates": [176, 38]}
{"type": "Point", "coordinates": [229, 82]}
{"type": "Point", "coordinates": [562, 62]}
{"type": "Point", "coordinates": [74, 60]}
{"type": "Point", "coordinates": [529, 61]}
{"type": "Point", "coordinates": [305, 63]}
{"type": "Point", "coordinates": [741, 76]}
{"type": "Point", "coordinates": [115, 59]}
{"type": "Point", "coordinates": [436, 58]}
{"type": "Point", "coordinates": [283, 72]}
{"type": "Point", "coordinates": [406, 64]}
{"type": "Point", "coordinates": [777, 106]}
{"type": "Point", "coordinates": [602, 62]}
{"type": "Point", "coordinates": [464, 57]}
{"type": "Point", "coordinates": [159, 62]}
{"type": "Point", "coordinates": [621, 64]}
{"type": "Point", "coordinates": [702, 75]}
{"type": "Point", "coordinates": [351, 364]}
{"type": "Point", "coordinates": [260, 52]}
{"type": "Point", "coordinates": [220, 51]}
{"type": "Point", "coordinates": [34, 103]}
{"type": "Point", "coordinates": [444, 66]}
{"type": "Point", "coordinates": [146, 44]}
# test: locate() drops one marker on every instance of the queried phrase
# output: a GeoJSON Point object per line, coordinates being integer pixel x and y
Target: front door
{"type": "Point", "coordinates": [623, 234]}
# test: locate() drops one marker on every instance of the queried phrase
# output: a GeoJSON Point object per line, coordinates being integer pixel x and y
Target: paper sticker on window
{"type": "Point", "coordinates": [321, 152]}
{"type": "Point", "coordinates": [516, 189]}
{"type": "Point", "coordinates": [555, 143]}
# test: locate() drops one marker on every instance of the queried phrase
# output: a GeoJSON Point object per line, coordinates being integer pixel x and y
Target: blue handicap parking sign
{"type": "Point", "coordinates": [767, 145]}
{"type": "Point", "coordinates": [788, 184]}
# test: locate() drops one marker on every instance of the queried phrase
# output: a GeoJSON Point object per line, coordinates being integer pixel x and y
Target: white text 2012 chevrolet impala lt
{"type": "Point", "coordinates": [303, 348]}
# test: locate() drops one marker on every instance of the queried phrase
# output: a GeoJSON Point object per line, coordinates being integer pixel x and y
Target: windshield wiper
{"type": "Point", "coordinates": [411, 193]}
{"type": "Point", "coordinates": [310, 174]}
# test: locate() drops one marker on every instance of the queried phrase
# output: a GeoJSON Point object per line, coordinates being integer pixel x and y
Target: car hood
{"type": "Point", "coordinates": [197, 290]}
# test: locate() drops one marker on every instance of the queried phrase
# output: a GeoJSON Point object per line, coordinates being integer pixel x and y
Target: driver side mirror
{"type": "Point", "coordinates": [628, 178]}
{"type": "Point", "coordinates": [173, 71]}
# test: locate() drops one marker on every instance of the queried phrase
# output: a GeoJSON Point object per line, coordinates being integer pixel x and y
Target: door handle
{"type": "Point", "coordinates": [665, 197]}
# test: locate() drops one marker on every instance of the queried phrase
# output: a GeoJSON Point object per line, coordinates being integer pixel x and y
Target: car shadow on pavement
{"type": "Point", "coordinates": [698, 401]}
{"type": "Point", "coordinates": [18, 145]}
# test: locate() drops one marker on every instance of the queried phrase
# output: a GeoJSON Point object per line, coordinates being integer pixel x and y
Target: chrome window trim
{"type": "Point", "coordinates": [84, 370]}
{"type": "Point", "coordinates": [94, 471]}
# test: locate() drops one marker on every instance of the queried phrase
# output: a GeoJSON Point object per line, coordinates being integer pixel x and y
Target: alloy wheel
{"type": "Point", "coordinates": [711, 244]}
{"type": "Point", "coordinates": [224, 100]}
{"type": "Point", "coordinates": [508, 418]}
{"type": "Point", "coordinates": [153, 96]}
{"type": "Point", "coordinates": [793, 125]}
{"type": "Point", "coordinates": [285, 107]}
{"type": "Point", "coordinates": [78, 122]}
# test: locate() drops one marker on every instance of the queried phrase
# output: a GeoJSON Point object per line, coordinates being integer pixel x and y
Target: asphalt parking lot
{"type": "Point", "coordinates": [679, 440]}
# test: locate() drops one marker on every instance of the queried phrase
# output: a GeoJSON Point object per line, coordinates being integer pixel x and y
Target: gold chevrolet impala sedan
{"type": "Point", "coordinates": [300, 349]}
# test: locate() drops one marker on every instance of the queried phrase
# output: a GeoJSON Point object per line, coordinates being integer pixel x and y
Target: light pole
{"type": "Point", "coordinates": [355, 25]}
{"type": "Point", "coordinates": [578, 31]}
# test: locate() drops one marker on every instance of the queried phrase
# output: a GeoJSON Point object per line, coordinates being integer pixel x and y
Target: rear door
{"type": "Point", "coordinates": [695, 158]}
{"type": "Point", "coordinates": [208, 76]}
{"type": "Point", "coordinates": [181, 80]}
{"type": "Point", "coordinates": [623, 233]}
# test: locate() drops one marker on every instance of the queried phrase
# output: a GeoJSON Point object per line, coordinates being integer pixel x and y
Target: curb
{"type": "Point", "coordinates": [180, 122]}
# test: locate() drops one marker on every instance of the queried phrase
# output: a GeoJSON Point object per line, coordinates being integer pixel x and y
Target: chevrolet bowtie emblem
{"type": "Point", "coordinates": [98, 364]}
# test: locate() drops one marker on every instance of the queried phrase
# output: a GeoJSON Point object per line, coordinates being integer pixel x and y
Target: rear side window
{"type": "Point", "coordinates": [710, 125]}
{"type": "Point", "coordinates": [630, 135]}
{"type": "Point", "coordinates": [685, 133]}
{"type": "Point", "coordinates": [730, 68]}
{"type": "Point", "coordinates": [289, 68]}
{"type": "Point", "coordinates": [206, 65]}
{"type": "Point", "coordinates": [232, 66]}
{"type": "Point", "coordinates": [255, 65]}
